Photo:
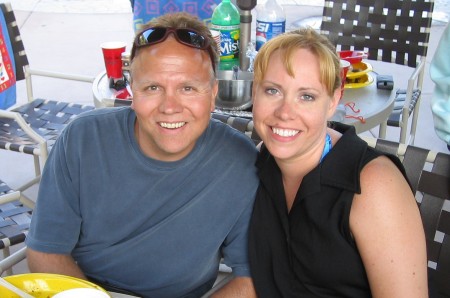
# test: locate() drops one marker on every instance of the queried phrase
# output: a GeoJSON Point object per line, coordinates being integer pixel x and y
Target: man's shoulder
{"type": "Point", "coordinates": [231, 146]}
{"type": "Point", "coordinates": [97, 121]}
{"type": "Point", "coordinates": [230, 135]}
{"type": "Point", "coordinates": [103, 113]}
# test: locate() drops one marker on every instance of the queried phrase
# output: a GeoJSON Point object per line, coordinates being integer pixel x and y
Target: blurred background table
{"type": "Point", "coordinates": [104, 96]}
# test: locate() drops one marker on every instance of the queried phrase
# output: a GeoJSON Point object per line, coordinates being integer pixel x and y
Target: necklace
{"type": "Point", "coordinates": [326, 147]}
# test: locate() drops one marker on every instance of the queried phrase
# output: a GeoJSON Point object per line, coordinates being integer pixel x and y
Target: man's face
{"type": "Point", "coordinates": [174, 92]}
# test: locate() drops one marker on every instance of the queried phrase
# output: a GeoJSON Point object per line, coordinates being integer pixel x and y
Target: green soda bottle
{"type": "Point", "coordinates": [226, 19]}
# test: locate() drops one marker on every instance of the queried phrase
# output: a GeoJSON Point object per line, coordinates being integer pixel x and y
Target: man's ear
{"type": "Point", "coordinates": [215, 90]}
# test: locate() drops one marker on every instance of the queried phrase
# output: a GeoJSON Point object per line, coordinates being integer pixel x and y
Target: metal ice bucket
{"type": "Point", "coordinates": [234, 94]}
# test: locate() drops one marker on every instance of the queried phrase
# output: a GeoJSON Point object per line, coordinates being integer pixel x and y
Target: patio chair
{"type": "Point", "coordinates": [429, 175]}
{"type": "Point", "coordinates": [395, 31]}
{"type": "Point", "coordinates": [31, 128]}
{"type": "Point", "coordinates": [15, 218]}
{"type": "Point", "coordinates": [244, 125]}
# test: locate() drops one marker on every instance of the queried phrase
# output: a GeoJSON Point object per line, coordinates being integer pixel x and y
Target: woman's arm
{"type": "Point", "coordinates": [237, 287]}
{"type": "Point", "coordinates": [53, 263]}
{"type": "Point", "coordinates": [386, 225]}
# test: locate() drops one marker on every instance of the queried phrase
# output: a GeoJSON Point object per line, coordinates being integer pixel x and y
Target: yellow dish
{"type": "Point", "coordinates": [359, 69]}
{"type": "Point", "coordinates": [44, 285]}
{"type": "Point", "coordinates": [360, 82]}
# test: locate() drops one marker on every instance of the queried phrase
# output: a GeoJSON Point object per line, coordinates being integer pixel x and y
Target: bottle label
{"type": "Point", "coordinates": [267, 30]}
{"type": "Point", "coordinates": [229, 41]}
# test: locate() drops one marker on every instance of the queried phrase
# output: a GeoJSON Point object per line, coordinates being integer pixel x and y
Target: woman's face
{"type": "Point", "coordinates": [290, 113]}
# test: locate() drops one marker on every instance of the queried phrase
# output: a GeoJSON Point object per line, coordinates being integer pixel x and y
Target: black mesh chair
{"type": "Point", "coordinates": [244, 125]}
{"type": "Point", "coordinates": [33, 128]}
{"type": "Point", "coordinates": [395, 31]}
{"type": "Point", "coordinates": [15, 218]}
{"type": "Point", "coordinates": [429, 175]}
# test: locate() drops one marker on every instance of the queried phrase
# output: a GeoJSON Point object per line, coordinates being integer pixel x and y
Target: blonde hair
{"type": "Point", "coordinates": [305, 38]}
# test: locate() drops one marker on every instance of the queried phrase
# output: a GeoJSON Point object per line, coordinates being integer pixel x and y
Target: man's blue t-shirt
{"type": "Point", "coordinates": [156, 228]}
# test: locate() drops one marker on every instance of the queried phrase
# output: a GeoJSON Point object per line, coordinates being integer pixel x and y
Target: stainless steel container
{"type": "Point", "coordinates": [234, 94]}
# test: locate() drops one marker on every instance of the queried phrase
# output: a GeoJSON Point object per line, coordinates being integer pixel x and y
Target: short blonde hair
{"type": "Point", "coordinates": [305, 38]}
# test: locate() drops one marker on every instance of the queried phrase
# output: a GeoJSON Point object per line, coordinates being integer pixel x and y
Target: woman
{"type": "Point", "coordinates": [333, 217]}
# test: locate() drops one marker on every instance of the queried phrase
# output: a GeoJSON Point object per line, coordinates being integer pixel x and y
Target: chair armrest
{"type": "Point", "coordinates": [43, 149]}
{"type": "Point", "coordinates": [414, 81]}
{"type": "Point", "coordinates": [51, 74]}
{"type": "Point", "coordinates": [9, 197]}
{"type": "Point", "coordinates": [13, 259]}
{"type": "Point", "coordinates": [24, 125]}
{"type": "Point", "coordinates": [395, 148]}
{"type": "Point", "coordinates": [60, 75]}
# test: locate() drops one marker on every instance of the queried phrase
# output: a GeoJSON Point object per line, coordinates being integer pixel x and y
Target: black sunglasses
{"type": "Point", "coordinates": [186, 36]}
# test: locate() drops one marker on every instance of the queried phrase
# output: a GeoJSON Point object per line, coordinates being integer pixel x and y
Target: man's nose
{"type": "Point", "coordinates": [170, 103]}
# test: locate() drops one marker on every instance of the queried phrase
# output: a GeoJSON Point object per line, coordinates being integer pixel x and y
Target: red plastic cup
{"type": "Point", "coordinates": [345, 66]}
{"type": "Point", "coordinates": [112, 52]}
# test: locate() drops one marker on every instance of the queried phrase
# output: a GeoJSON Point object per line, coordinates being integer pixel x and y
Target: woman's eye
{"type": "Point", "coordinates": [307, 97]}
{"type": "Point", "coordinates": [271, 91]}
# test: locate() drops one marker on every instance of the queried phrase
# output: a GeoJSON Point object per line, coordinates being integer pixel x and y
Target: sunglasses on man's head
{"type": "Point", "coordinates": [186, 36]}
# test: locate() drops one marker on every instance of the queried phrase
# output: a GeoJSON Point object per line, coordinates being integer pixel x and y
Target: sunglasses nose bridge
{"type": "Point", "coordinates": [170, 31]}
{"type": "Point", "coordinates": [185, 36]}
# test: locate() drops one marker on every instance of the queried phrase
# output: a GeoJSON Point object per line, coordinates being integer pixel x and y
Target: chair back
{"type": "Point", "coordinates": [394, 31]}
{"type": "Point", "coordinates": [429, 175]}
{"type": "Point", "coordinates": [242, 124]}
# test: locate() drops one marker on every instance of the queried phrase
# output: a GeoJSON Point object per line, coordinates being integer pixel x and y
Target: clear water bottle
{"type": "Point", "coordinates": [270, 22]}
{"type": "Point", "coordinates": [226, 19]}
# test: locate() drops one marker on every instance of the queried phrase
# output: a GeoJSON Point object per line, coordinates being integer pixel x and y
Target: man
{"type": "Point", "coordinates": [148, 199]}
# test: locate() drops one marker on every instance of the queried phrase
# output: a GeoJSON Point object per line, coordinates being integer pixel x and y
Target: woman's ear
{"type": "Point", "coordinates": [334, 102]}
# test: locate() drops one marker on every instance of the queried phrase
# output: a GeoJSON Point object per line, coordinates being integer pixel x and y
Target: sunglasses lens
{"type": "Point", "coordinates": [191, 38]}
{"type": "Point", "coordinates": [151, 36]}
{"type": "Point", "coordinates": [186, 36]}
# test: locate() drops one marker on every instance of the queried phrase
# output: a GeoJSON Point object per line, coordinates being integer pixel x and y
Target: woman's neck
{"type": "Point", "coordinates": [293, 171]}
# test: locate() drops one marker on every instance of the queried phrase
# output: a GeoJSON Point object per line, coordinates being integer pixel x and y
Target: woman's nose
{"type": "Point", "coordinates": [285, 110]}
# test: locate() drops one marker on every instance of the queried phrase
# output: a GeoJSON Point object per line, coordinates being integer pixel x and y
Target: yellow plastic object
{"type": "Point", "coordinates": [44, 285]}
{"type": "Point", "coordinates": [360, 82]}
{"type": "Point", "coordinates": [358, 70]}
